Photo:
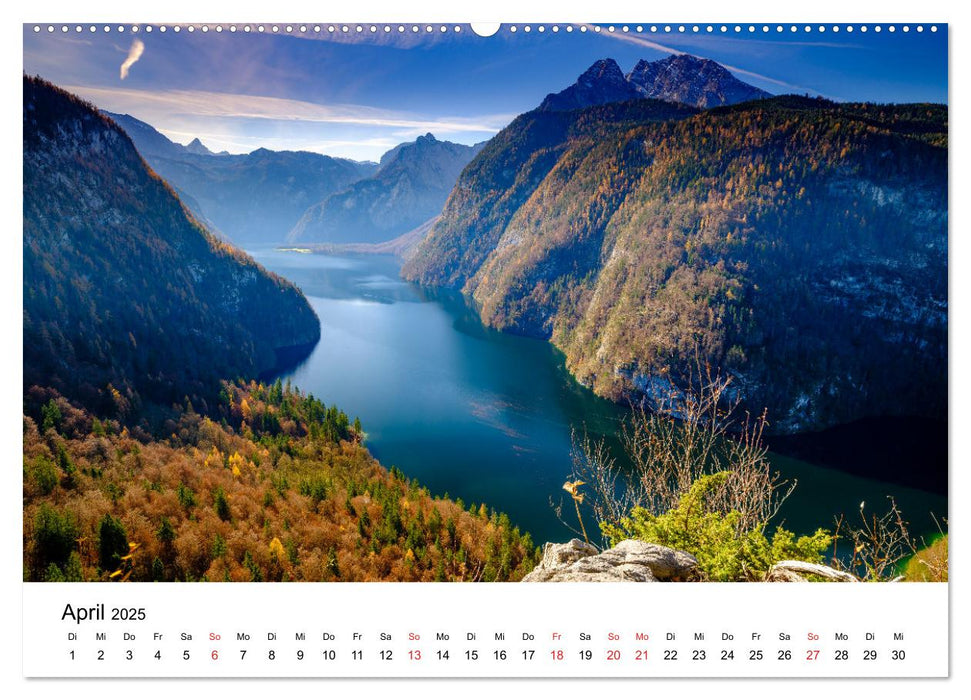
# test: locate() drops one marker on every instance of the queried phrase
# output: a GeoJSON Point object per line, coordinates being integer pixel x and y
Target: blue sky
{"type": "Point", "coordinates": [359, 95]}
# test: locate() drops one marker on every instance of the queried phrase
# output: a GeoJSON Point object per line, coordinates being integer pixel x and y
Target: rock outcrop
{"type": "Point", "coordinates": [798, 571]}
{"type": "Point", "coordinates": [630, 560]}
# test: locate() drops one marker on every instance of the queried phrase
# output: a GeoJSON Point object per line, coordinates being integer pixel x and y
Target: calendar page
{"type": "Point", "coordinates": [512, 350]}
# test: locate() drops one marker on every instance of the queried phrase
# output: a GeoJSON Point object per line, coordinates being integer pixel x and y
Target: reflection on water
{"type": "Point", "coordinates": [482, 415]}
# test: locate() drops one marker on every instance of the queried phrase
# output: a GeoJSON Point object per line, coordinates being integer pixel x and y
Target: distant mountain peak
{"type": "Point", "coordinates": [604, 69]}
{"type": "Point", "coordinates": [197, 147]}
{"type": "Point", "coordinates": [417, 148]}
{"type": "Point", "coordinates": [691, 80]}
{"type": "Point", "coordinates": [251, 198]}
{"type": "Point", "coordinates": [151, 142]}
{"type": "Point", "coordinates": [410, 187]}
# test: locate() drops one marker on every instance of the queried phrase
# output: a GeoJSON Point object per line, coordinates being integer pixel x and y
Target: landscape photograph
{"type": "Point", "coordinates": [563, 303]}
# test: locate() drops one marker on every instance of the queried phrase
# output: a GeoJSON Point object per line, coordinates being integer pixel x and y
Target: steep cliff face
{"type": "Point", "coordinates": [125, 295]}
{"type": "Point", "coordinates": [797, 244]}
{"type": "Point", "coordinates": [410, 188]}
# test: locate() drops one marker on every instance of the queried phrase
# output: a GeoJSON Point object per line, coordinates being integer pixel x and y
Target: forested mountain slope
{"type": "Point", "coordinates": [798, 244]}
{"type": "Point", "coordinates": [126, 296]}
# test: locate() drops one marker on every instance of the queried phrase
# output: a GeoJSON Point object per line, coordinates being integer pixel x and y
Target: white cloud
{"type": "Point", "coordinates": [242, 123]}
{"type": "Point", "coordinates": [200, 103]}
{"type": "Point", "coordinates": [134, 53]}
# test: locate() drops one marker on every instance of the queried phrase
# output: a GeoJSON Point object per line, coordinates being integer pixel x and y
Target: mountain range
{"type": "Point", "coordinates": [682, 78]}
{"type": "Point", "coordinates": [270, 197]}
{"type": "Point", "coordinates": [251, 199]}
{"type": "Point", "coordinates": [410, 187]}
{"type": "Point", "coordinates": [151, 142]}
{"type": "Point", "coordinates": [127, 298]}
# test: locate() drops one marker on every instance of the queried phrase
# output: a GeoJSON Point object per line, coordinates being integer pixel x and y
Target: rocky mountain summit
{"type": "Point", "coordinates": [601, 83]}
{"type": "Point", "coordinates": [682, 78]}
{"type": "Point", "coordinates": [199, 148]}
{"type": "Point", "coordinates": [690, 80]}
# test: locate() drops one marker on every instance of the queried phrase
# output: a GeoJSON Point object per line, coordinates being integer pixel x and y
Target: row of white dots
{"type": "Point", "coordinates": [414, 28]}
{"type": "Point", "coordinates": [276, 29]}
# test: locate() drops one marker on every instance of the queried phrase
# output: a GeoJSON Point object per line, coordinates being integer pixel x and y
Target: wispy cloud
{"type": "Point", "coordinates": [202, 103]}
{"type": "Point", "coordinates": [242, 123]}
{"type": "Point", "coordinates": [650, 44]}
{"type": "Point", "coordinates": [134, 53]}
{"type": "Point", "coordinates": [636, 39]}
{"type": "Point", "coordinates": [789, 42]}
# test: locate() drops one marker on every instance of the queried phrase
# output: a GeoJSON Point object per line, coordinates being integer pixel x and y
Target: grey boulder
{"type": "Point", "coordinates": [630, 560]}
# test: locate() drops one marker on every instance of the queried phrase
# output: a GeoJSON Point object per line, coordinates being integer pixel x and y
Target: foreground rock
{"type": "Point", "coordinates": [797, 571]}
{"type": "Point", "coordinates": [630, 560]}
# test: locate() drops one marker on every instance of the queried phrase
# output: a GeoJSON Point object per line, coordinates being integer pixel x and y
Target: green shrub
{"type": "Point", "coordinates": [256, 573]}
{"type": "Point", "coordinates": [66, 464]}
{"type": "Point", "coordinates": [53, 574]}
{"type": "Point", "coordinates": [50, 416]}
{"type": "Point", "coordinates": [73, 570]}
{"type": "Point", "coordinates": [112, 543]}
{"type": "Point", "coordinates": [929, 563]}
{"type": "Point", "coordinates": [44, 474]}
{"type": "Point", "coordinates": [723, 552]}
{"type": "Point", "coordinates": [55, 535]}
{"type": "Point", "coordinates": [187, 497]}
{"type": "Point", "coordinates": [165, 532]}
{"type": "Point", "coordinates": [221, 503]}
{"type": "Point", "coordinates": [315, 488]}
{"type": "Point", "coordinates": [218, 546]}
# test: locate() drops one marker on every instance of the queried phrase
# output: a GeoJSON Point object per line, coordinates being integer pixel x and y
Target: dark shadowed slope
{"type": "Point", "coordinates": [126, 296]}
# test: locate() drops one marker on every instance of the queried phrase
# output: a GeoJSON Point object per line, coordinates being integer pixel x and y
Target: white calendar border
{"type": "Point", "coordinates": [490, 10]}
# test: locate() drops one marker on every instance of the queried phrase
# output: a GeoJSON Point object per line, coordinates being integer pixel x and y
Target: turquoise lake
{"type": "Point", "coordinates": [486, 416]}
